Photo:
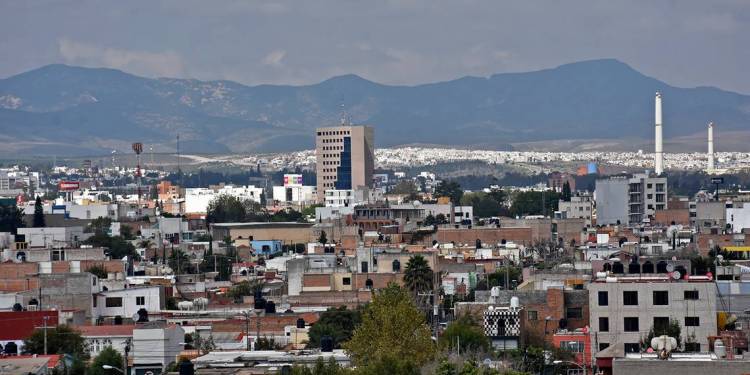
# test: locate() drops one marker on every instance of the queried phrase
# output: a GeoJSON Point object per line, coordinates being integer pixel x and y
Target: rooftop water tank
{"type": "Point", "coordinates": [514, 302]}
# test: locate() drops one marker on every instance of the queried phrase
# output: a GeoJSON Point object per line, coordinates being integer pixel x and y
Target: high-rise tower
{"type": "Point", "coordinates": [345, 158]}
{"type": "Point", "coordinates": [658, 151]}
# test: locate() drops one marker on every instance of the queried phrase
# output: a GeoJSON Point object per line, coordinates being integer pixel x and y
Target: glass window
{"type": "Point", "coordinates": [692, 321]}
{"type": "Point", "coordinates": [630, 298]}
{"type": "Point", "coordinates": [603, 299]}
{"type": "Point", "coordinates": [347, 281]}
{"type": "Point", "coordinates": [140, 300]}
{"type": "Point", "coordinates": [632, 348]}
{"type": "Point", "coordinates": [631, 324]}
{"type": "Point", "coordinates": [691, 294]}
{"type": "Point", "coordinates": [532, 315]}
{"type": "Point", "coordinates": [574, 313]}
{"type": "Point", "coordinates": [113, 302]}
{"type": "Point", "coordinates": [603, 324]}
{"type": "Point", "coordinates": [661, 297]}
{"type": "Point", "coordinates": [661, 323]}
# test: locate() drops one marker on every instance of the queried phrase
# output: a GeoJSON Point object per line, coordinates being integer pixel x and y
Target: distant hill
{"type": "Point", "coordinates": [69, 110]}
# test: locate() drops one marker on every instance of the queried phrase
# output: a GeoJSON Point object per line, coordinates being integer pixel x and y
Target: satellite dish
{"type": "Point", "coordinates": [487, 362]}
{"type": "Point", "coordinates": [670, 267]}
{"type": "Point", "coordinates": [676, 275]}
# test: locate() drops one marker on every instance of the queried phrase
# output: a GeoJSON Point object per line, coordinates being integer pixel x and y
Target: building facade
{"type": "Point", "coordinates": [345, 158]}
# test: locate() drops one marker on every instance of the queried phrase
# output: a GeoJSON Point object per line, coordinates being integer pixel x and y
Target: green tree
{"type": "Point", "coordinates": [126, 232]}
{"type": "Point", "coordinates": [108, 356]}
{"type": "Point", "coordinates": [672, 330]}
{"type": "Point", "coordinates": [498, 277]}
{"type": "Point", "coordinates": [566, 193]}
{"type": "Point", "coordinates": [309, 211]}
{"type": "Point", "coordinates": [450, 189]}
{"type": "Point", "coordinates": [484, 204]}
{"type": "Point", "coordinates": [339, 323]}
{"type": "Point", "coordinates": [429, 220]}
{"type": "Point", "coordinates": [60, 340]}
{"type": "Point", "coordinates": [267, 343]}
{"type": "Point", "coordinates": [467, 333]}
{"type": "Point", "coordinates": [323, 237]}
{"type": "Point", "coordinates": [405, 187]}
{"type": "Point", "coordinates": [230, 209]}
{"type": "Point", "coordinates": [179, 262]}
{"type": "Point", "coordinates": [11, 218]}
{"type": "Point", "coordinates": [392, 327]}
{"type": "Point", "coordinates": [441, 219]}
{"type": "Point", "coordinates": [39, 214]}
{"type": "Point", "coordinates": [321, 367]}
{"type": "Point", "coordinates": [534, 203]}
{"type": "Point", "coordinates": [99, 226]}
{"type": "Point", "coordinates": [418, 275]}
{"type": "Point", "coordinates": [98, 270]}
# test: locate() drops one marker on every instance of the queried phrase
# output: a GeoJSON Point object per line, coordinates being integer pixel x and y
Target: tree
{"type": "Point", "coordinates": [228, 209]}
{"type": "Point", "coordinates": [321, 367]}
{"type": "Point", "coordinates": [126, 232]}
{"type": "Point", "coordinates": [267, 343]}
{"type": "Point", "coordinates": [108, 356]}
{"type": "Point", "coordinates": [467, 333]}
{"type": "Point", "coordinates": [450, 189]}
{"type": "Point", "coordinates": [39, 214]}
{"type": "Point", "coordinates": [392, 328]}
{"type": "Point", "coordinates": [323, 238]}
{"type": "Point", "coordinates": [405, 187]}
{"type": "Point", "coordinates": [441, 219]}
{"type": "Point", "coordinates": [11, 218]}
{"type": "Point", "coordinates": [338, 323]}
{"type": "Point", "coordinates": [429, 220]}
{"type": "Point", "coordinates": [99, 226]}
{"type": "Point", "coordinates": [245, 288]}
{"type": "Point", "coordinates": [534, 203]}
{"type": "Point", "coordinates": [566, 193]}
{"type": "Point", "coordinates": [60, 340]}
{"type": "Point", "coordinates": [98, 270]}
{"type": "Point", "coordinates": [418, 275]}
{"type": "Point", "coordinates": [179, 262]}
{"type": "Point", "coordinates": [672, 329]}
{"type": "Point", "coordinates": [498, 277]}
{"type": "Point", "coordinates": [485, 204]}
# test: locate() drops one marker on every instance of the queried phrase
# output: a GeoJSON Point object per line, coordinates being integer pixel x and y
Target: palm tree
{"type": "Point", "coordinates": [418, 275]}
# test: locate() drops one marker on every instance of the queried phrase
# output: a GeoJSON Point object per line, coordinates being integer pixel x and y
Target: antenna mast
{"type": "Point", "coordinates": [138, 148]}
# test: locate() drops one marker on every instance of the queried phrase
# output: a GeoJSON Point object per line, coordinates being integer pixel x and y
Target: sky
{"type": "Point", "coordinates": [683, 42]}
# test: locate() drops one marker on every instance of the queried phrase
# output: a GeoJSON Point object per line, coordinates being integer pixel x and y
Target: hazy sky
{"type": "Point", "coordinates": [683, 42]}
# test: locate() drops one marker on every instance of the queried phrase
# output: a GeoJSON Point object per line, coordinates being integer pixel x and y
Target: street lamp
{"type": "Point", "coordinates": [559, 362]}
{"type": "Point", "coordinates": [108, 367]}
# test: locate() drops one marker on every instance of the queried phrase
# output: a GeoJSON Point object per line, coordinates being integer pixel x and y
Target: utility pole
{"type": "Point", "coordinates": [45, 334]}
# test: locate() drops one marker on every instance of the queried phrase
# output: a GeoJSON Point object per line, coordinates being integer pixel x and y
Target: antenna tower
{"type": "Point", "coordinates": [138, 148]}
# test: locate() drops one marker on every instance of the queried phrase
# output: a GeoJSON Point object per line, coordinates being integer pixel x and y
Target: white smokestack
{"type": "Point", "coordinates": [710, 146]}
{"type": "Point", "coordinates": [659, 153]}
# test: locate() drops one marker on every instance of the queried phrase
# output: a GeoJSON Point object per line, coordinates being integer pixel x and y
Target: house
{"type": "Point", "coordinates": [156, 345]}
{"type": "Point", "coordinates": [96, 338]}
{"type": "Point", "coordinates": [126, 303]}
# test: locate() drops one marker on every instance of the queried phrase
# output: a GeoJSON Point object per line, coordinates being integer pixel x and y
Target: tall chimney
{"type": "Point", "coordinates": [711, 146]}
{"type": "Point", "coordinates": [658, 152]}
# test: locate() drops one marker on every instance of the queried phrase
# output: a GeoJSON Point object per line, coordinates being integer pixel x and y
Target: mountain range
{"type": "Point", "coordinates": [66, 110]}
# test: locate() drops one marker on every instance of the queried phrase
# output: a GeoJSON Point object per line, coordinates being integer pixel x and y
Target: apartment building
{"type": "Point", "coordinates": [580, 206]}
{"type": "Point", "coordinates": [630, 200]}
{"type": "Point", "coordinates": [624, 309]}
{"type": "Point", "coordinates": [345, 158]}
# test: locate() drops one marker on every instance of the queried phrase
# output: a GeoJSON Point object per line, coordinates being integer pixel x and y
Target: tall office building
{"type": "Point", "coordinates": [345, 158]}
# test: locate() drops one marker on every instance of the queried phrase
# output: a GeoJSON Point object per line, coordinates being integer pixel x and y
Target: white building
{"type": "Point", "coordinates": [197, 199]}
{"type": "Point", "coordinates": [579, 207]}
{"type": "Point", "coordinates": [127, 302]}
{"type": "Point", "coordinates": [738, 218]}
{"type": "Point", "coordinates": [156, 345]}
{"type": "Point", "coordinates": [96, 338]}
{"type": "Point", "coordinates": [49, 237]}
{"type": "Point", "coordinates": [294, 194]}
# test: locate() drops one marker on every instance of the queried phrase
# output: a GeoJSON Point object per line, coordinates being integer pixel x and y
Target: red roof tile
{"type": "Point", "coordinates": [92, 331]}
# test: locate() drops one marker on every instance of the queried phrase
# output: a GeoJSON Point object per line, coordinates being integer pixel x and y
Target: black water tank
{"type": "Point", "coordinates": [270, 307]}
{"type": "Point", "coordinates": [118, 320]}
{"type": "Point", "coordinates": [142, 315]}
{"type": "Point", "coordinates": [634, 267]}
{"type": "Point", "coordinates": [300, 323]}
{"type": "Point", "coordinates": [326, 344]}
{"type": "Point", "coordinates": [260, 304]}
{"type": "Point", "coordinates": [186, 368]}
{"type": "Point", "coordinates": [617, 267]}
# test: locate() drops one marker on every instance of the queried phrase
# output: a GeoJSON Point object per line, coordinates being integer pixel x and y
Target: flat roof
{"type": "Point", "coordinates": [281, 224]}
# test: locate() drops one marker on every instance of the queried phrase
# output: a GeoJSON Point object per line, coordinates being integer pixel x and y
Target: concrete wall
{"type": "Point", "coordinates": [678, 308]}
{"type": "Point", "coordinates": [611, 201]}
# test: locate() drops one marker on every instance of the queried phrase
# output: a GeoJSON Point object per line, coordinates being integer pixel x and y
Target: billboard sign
{"type": "Point", "coordinates": [292, 180]}
{"type": "Point", "coordinates": [68, 185]}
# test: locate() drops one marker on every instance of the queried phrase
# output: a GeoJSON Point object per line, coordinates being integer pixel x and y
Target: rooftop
{"type": "Point", "coordinates": [109, 330]}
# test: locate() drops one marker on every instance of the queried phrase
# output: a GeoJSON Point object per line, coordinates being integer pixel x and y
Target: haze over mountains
{"type": "Point", "coordinates": [64, 110]}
